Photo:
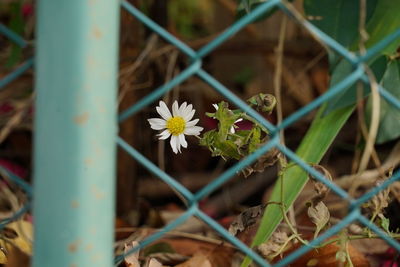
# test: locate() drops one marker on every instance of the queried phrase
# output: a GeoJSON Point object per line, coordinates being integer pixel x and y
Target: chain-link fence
{"type": "Point", "coordinates": [195, 69]}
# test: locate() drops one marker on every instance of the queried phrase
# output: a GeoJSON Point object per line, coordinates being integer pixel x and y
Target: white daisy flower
{"type": "Point", "coordinates": [176, 125]}
{"type": "Point", "coordinates": [232, 129]}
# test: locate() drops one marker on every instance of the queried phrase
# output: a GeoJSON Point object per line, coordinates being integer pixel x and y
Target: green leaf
{"type": "Point", "coordinates": [255, 139]}
{"type": "Point", "coordinates": [349, 96]}
{"type": "Point", "coordinates": [246, 6]}
{"type": "Point", "coordinates": [389, 122]}
{"type": "Point", "coordinates": [385, 224]}
{"type": "Point", "coordinates": [312, 148]}
{"type": "Point", "coordinates": [384, 21]}
{"type": "Point", "coordinates": [16, 25]}
{"type": "Point", "coordinates": [337, 18]}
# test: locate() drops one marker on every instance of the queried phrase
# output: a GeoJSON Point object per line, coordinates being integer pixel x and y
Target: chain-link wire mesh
{"type": "Point", "coordinates": [195, 69]}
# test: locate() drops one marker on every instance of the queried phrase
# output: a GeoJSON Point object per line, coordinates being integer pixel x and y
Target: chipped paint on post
{"type": "Point", "coordinates": [75, 129]}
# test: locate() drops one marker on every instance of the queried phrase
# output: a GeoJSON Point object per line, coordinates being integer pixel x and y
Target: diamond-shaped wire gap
{"type": "Point", "coordinates": [228, 174]}
{"type": "Point", "coordinates": [317, 175]}
{"type": "Point", "coordinates": [234, 99]}
{"type": "Point", "coordinates": [371, 52]}
{"type": "Point", "coordinates": [167, 228]}
{"type": "Point", "coordinates": [150, 166]}
{"type": "Point", "coordinates": [374, 191]}
{"type": "Point", "coordinates": [16, 38]}
{"type": "Point", "coordinates": [233, 240]}
{"type": "Point", "coordinates": [16, 73]}
{"type": "Point", "coordinates": [158, 29]}
{"type": "Point", "coordinates": [379, 232]}
{"type": "Point", "coordinates": [237, 26]}
{"type": "Point", "coordinates": [156, 94]}
{"type": "Point", "coordinates": [317, 33]}
{"type": "Point", "coordinates": [327, 234]}
{"type": "Point", "coordinates": [332, 92]}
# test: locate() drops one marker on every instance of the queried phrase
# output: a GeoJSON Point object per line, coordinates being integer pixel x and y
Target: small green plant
{"type": "Point", "coordinates": [229, 143]}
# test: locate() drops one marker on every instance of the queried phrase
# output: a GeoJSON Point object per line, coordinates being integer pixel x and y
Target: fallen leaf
{"type": "Point", "coordinates": [132, 260]}
{"type": "Point", "coordinates": [326, 257]}
{"type": "Point", "coordinates": [19, 235]}
{"type": "Point", "coordinates": [319, 215]}
{"type": "Point", "coordinates": [198, 260]}
{"type": "Point", "coordinates": [154, 263]}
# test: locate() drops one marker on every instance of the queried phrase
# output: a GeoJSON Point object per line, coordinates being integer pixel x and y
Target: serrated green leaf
{"type": "Point", "coordinates": [389, 116]}
{"type": "Point", "coordinates": [385, 223]}
{"type": "Point", "coordinates": [226, 118]}
{"type": "Point", "coordinates": [255, 139]}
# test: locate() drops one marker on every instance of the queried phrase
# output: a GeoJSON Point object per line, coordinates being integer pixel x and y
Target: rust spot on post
{"type": "Point", "coordinates": [89, 247]}
{"type": "Point", "coordinates": [74, 204]}
{"type": "Point", "coordinates": [97, 193]}
{"type": "Point", "coordinates": [97, 33]}
{"type": "Point", "coordinates": [88, 162]}
{"type": "Point", "coordinates": [81, 119]}
{"type": "Point", "coordinates": [73, 247]}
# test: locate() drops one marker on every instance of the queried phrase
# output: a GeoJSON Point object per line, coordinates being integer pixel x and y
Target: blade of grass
{"type": "Point", "coordinates": [312, 148]}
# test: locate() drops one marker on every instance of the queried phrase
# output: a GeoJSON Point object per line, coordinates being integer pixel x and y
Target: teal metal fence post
{"type": "Point", "coordinates": [75, 132]}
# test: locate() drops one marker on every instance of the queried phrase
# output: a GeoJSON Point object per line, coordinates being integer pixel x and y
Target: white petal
{"type": "Point", "coordinates": [189, 116]}
{"type": "Point", "coordinates": [163, 110]}
{"type": "Point", "coordinates": [175, 109]}
{"type": "Point", "coordinates": [173, 142]}
{"type": "Point", "coordinates": [164, 135]}
{"type": "Point", "coordinates": [215, 106]}
{"type": "Point", "coordinates": [194, 130]}
{"type": "Point", "coordinates": [187, 110]}
{"type": "Point", "coordinates": [182, 108]}
{"type": "Point", "coordinates": [192, 123]}
{"type": "Point", "coordinates": [232, 130]}
{"type": "Point", "coordinates": [182, 140]}
{"type": "Point", "coordinates": [240, 119]}
{"type": "Point", "coordinates": [178, 144]}
{"type": "Point", "coordinates": [157, 124]}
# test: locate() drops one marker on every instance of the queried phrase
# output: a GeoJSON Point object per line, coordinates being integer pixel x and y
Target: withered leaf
{"type": "Point", "coordinates": [132, 260]}
{"type": "Point", "coordinates": [246, 219]}
{"type": "Point", "coordinates": [319, 215]}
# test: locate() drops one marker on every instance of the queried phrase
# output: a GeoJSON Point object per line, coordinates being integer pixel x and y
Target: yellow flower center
{"type": "Point", "coordinates": [176, 125]}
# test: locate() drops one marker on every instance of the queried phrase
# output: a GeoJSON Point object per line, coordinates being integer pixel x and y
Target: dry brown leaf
{"type": "Point", "coordinates": [132, 260]}
{"type": "Point", "coordinates": [19, 235]}
{"type": "Point", "coordinates": [154, 263]}
{"type": "Point", "coordinates": [245, 219]}
{"type": "Point", "coordinates": [319, 215]}
{"type": "Point", "coordinates": [326, 257]}
{"type": "Point", "coordinates": [273, 245]}
{"type": "Point", "coordinates": [198, 260]}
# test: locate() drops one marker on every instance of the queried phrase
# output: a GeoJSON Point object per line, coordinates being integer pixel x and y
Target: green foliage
{"type": "Point", "coordinates": [384, 21]}
{"type": "Point", "coordinates": [186, 15]}
{"type": "Point", "coordinates": [246, 6]}
{"type": "Point", "coordinates": [348, 97]}
{"type": "Point", "coordinates": [16, 25]}
{"type": "Point", "coordinates": [337, 18]}
{"type": "Point", "coordinates": [229, 143]}
{"type": "Point", "coordinates": [389, 123]}
{"type": "Point", "coordinates": [293, 178]}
